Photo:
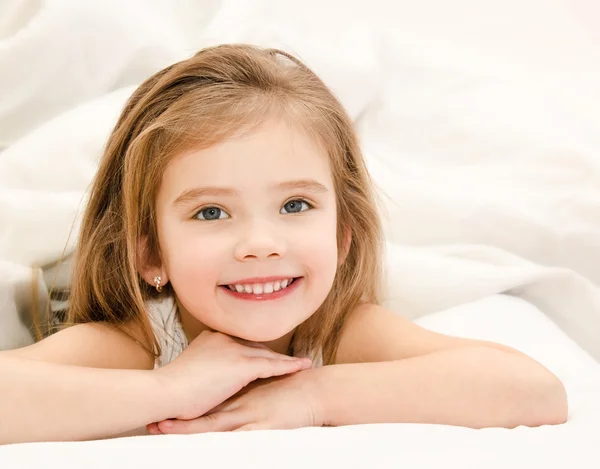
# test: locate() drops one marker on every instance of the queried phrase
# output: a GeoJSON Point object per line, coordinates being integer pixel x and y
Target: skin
{"type": "Point", "coordinates": [91, 381]}
{"type": "Point", "coordinates": [255, 239]}
{"type": "Point", "coordinates": [255, 235]}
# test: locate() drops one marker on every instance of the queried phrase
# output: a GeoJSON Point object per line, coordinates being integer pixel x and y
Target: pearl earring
{"type": "Point", "coordinates": [157, 280]}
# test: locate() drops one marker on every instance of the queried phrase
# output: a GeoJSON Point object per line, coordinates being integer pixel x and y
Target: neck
{"type": "Point", "coordinates": [192, 328]}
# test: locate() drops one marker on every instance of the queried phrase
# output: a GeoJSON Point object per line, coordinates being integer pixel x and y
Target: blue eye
{"type": "Point", "coordinates": [211, 213]}
{"type": "Point", "coordinates": [295, 206]}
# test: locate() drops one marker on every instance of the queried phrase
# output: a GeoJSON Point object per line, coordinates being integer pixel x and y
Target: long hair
{"type": "Point", "coordinates": [196, 103]}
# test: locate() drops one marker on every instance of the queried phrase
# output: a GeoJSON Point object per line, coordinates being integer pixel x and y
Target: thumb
{"type": "Point", "coordinates": [270, 367]}
{"type": "Point", "coordinates": [217, 422]}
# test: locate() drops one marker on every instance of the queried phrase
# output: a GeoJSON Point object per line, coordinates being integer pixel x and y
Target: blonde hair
{"type": "Point", "coordinates": [197, 103]}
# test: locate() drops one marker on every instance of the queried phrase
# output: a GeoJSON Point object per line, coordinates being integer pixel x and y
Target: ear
{"type": "Point", "coordinates": [147, 267]}
{"type": "Point", "coordinates": [345, 245]}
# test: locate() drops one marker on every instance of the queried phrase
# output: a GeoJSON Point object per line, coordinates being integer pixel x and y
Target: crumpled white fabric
{"type": "Point", "coordinates": [479, 124]}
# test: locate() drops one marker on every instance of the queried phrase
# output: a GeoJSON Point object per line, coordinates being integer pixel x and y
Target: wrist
{"type": "Point", "coordinates": [321, 389]}
{"type": "Point", "coordinates": [341, 394]}
{"type": "Point", "coordinates": [162, 399]}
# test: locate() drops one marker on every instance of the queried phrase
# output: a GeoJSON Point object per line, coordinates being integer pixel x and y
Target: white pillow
{"type": "Point", "coordinates": [44, 178]}
{"type": "Point", "coordinates": [55, 55]}
{"type": "Point", "coordinates": [517, 323]}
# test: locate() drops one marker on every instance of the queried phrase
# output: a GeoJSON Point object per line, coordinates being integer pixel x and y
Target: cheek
{"type": "Point", "coordinates": [318, 248]}
{"type": "Point", "coordinates": [193, 266]}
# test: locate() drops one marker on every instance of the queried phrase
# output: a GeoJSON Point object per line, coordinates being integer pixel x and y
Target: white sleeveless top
{"type": "Point", "coordinates": [169, 332]}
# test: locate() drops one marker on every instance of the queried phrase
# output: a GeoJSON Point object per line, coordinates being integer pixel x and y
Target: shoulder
{"type": "Point", "coordinates": [362, 332]}
{"type": "Point", "coordinates": [373, 333]}
{"type": "Point", "coordinates": [97, 345]}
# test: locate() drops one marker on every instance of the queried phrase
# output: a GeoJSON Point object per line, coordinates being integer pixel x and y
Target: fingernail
{"type": "Point", "coordinates": [167, 424]}
{"type": "Point", "coordinates": [153, 429]}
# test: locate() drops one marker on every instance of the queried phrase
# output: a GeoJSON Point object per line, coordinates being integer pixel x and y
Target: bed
{"type": "Point", "coordinates": [501, 318]}
{"type": "Point", "coordinates": [480, 126]}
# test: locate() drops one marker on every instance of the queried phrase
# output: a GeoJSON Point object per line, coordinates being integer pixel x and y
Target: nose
{"type": "Point", "coordinates": [259, 242]}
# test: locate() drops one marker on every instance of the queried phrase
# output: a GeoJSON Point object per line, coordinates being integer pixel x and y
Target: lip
{"type": "Point", "coordinates": [265, 296]}
{"type": "Point", "coordinates": [252, 280]}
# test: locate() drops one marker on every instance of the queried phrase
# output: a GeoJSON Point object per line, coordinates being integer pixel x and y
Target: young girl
{"type": "Point", "coordinates": [230, 247]}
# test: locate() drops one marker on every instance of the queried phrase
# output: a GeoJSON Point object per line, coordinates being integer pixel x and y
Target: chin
{"type": "Point", "coordinates": [260, 337]}
{"type": "Point", "coordinates": [261, 334]}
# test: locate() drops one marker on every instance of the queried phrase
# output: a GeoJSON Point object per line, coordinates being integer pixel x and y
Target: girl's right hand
{"type": "Point", "coordinates": [215, 367]}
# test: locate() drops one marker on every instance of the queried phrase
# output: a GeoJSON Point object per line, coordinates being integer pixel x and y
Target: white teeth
{"type": "Point", "coordinates": [259, 289]}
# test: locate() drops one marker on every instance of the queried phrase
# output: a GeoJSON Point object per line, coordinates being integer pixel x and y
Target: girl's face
{"type": "Point", "coordinates": [247, 231]}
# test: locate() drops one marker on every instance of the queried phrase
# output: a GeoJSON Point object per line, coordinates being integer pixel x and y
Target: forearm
{"type": "Point", "coordinates": [42, 401]}
{"type": "Point", "coordinates": [470, 386]}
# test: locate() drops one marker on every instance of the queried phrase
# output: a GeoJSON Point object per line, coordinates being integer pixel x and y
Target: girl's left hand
{"type": "Point", "coordinates": [276, 403]}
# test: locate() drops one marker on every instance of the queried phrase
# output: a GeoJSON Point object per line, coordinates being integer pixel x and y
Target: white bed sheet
{"type": "Point", "coordinates": [487, 149]}
{"type": "Point", "coordinates": [485, 145]}
{"type": "Point", "coordinates": [502, 318]}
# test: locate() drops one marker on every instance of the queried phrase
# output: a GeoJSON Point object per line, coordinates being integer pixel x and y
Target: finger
{"type": "Point", "coordinates": [217, 422]}
{"type": "Point", "coordinates": [268, 353]}
{"type": "Point", "coordinates": [227, 406]}
{"type": "Point", "coordinates": [268, 367]}
{"type": "Point", "coordinates": [153, 429]}
{"type": "Point", "coordinates": [253, 426]}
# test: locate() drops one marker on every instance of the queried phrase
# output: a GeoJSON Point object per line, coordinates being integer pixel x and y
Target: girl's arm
{"type": "Point", "coordinates": [44, 401]}
{"type": "Point", "coordinates": [416, 375]}
{"type": "Point", "coordinates": [66, 387]}
{"type": "Point", "coordinates": [87, 381]}
{"type": "Point", "coordinates": [466, 386]}
{"type": "Point", "coordinates": [389, 370]}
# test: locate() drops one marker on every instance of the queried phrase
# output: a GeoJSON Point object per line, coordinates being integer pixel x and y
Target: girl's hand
{"type": "Point", "coordinates": [284, 402]}
{"type": "Point", "coordinates": [214, 367]}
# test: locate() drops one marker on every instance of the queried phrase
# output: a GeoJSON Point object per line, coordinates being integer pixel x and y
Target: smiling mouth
{"type": "Point", "coordinates": [262, 291]}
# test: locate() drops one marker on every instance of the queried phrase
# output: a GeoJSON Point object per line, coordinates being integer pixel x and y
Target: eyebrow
{"type": "Point", "coordinates": [308, 185]}
{"type": "Point", "coordinates": [192, 194]}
